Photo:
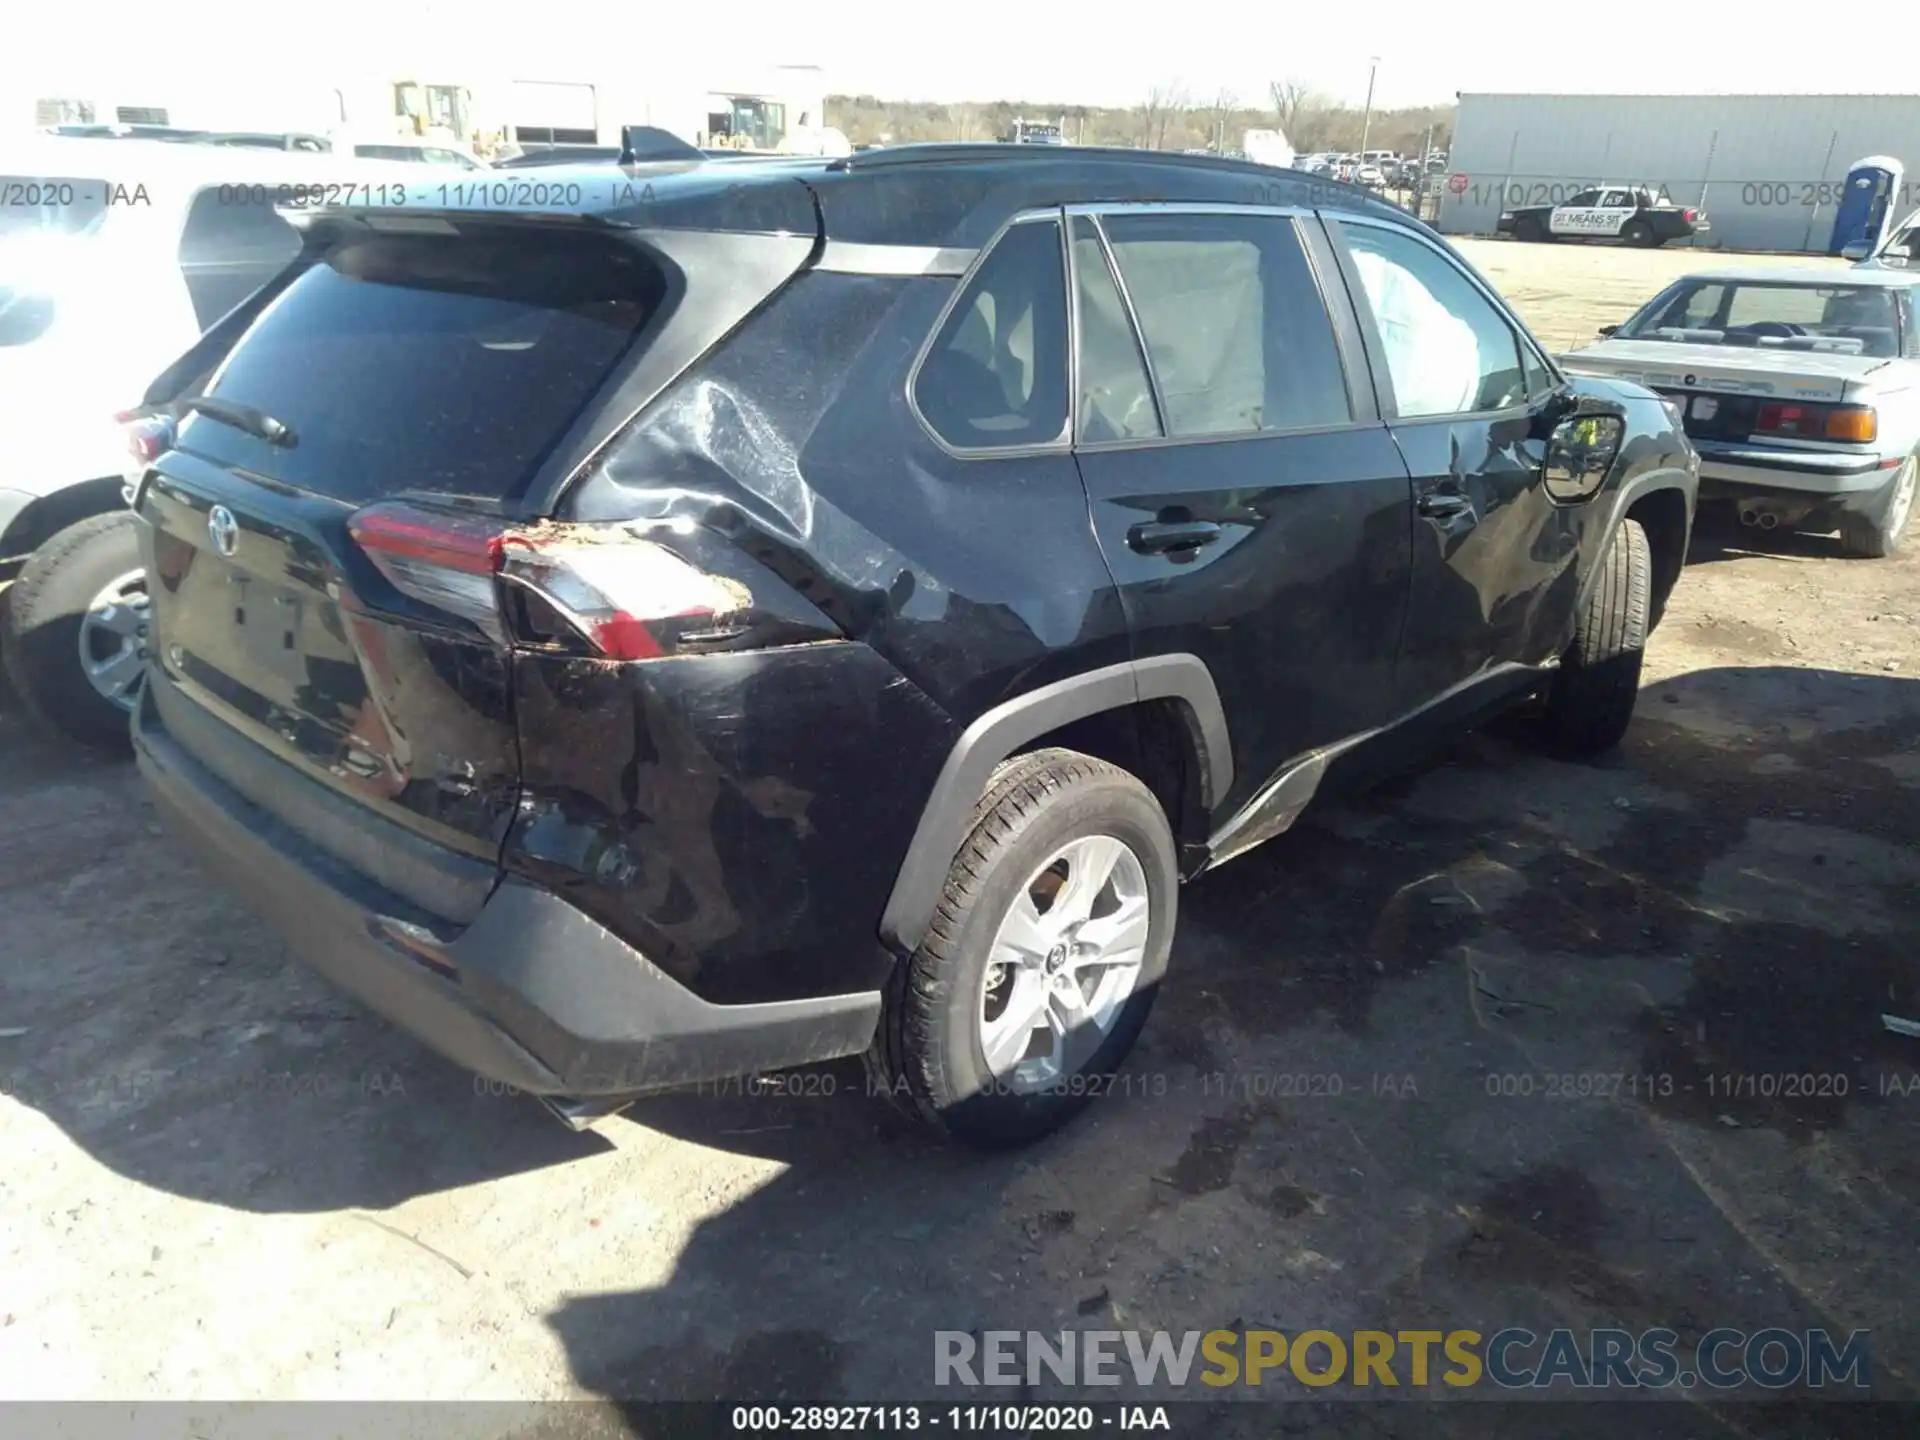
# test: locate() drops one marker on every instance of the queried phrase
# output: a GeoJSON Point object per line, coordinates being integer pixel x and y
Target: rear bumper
{"type": "Point", "coordinates": [532, 993]}
{"type": "Point", "coordinates": [1768, 471]}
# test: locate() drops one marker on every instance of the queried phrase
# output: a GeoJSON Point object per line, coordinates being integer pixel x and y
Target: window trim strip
{"type": "Point", "coordinates": [852, 257]}
{"type": "Point", "coordinates": [1133, 326]}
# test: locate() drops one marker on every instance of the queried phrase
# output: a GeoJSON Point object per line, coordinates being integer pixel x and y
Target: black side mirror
{"type": "Point", "coordinates": [1606, 330]}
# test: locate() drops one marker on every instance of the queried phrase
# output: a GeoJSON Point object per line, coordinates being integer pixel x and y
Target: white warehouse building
{"type": "Point", "coordinates": [1766, 169]}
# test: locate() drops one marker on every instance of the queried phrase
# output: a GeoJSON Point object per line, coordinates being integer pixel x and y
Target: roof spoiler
{"type": "Point", "coordinates": [645, 144]}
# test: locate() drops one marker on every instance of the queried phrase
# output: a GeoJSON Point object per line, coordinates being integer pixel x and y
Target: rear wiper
{"type": "Point", "coordinates": [242, 417]}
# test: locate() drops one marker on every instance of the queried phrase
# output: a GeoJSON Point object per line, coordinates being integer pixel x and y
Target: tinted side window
{"type": "Point", "coordinates": [997, 373]}
{"type": "Point", "coordinates": [1448, 350]}
{"type": "Point", "coordinates": [1539, 378]}
{"type": "Point", "coordinates": [1115, 400]}
{"type": "Point", "coordinates": [1585, 197]}
{"type": "Point", "coordinates": [1234, 324]}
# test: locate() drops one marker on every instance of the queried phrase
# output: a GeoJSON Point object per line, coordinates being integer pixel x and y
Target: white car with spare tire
{"type": "Point", "coordinates": [1800, 388]}
{"type": "Point", "coordinates": [115, 254]}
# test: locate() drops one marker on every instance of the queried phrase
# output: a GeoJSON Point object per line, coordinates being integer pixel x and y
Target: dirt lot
{"type": "Point", "coordinates": [223, 1180]}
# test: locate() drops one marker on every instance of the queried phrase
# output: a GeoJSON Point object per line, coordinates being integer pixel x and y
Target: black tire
{"type": "Point", "coordinates": [1880, 530]}
{"type": "Point", "coordinates": [42, 639]}
{"type": "Point", "coordinates": [1529, 229]}
{"type": "Point", "coordinates": [1639, 234]}
{"type": "Point", "coordinates": [927, 1052]}
{"type": "Point", "coordinates": [1591, 699]}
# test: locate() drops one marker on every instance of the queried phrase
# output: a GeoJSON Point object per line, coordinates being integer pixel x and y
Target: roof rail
{"type": "Point", "coordinates": [991, 152]}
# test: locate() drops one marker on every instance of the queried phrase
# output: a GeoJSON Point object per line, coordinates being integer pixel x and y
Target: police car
{"type": "Point", "coordinates": [1631, 214]}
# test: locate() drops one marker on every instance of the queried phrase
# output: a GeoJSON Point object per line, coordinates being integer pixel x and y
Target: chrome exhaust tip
{"type": "Point", "coordinates": [1768, 520]}
{"type": "Point", "coordinates": [582, 1114]}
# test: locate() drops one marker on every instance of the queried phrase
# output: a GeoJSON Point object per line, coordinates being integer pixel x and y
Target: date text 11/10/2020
{"type": "Point", "coordinates": [1763, 194]}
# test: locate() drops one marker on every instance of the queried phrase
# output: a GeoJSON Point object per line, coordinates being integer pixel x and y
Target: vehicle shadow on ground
{"type": "Point", "coordinates": [161, 1025]}
{"type": "Point", "coordinates": [1608, 904]}
{"type": "Point", "coordinates": [1718, 535]}
{"type": "Point", "coordinates": [171, 1041]}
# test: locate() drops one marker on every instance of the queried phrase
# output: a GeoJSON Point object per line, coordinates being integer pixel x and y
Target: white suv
{"type": "Point", "coordinates": [115, 254]}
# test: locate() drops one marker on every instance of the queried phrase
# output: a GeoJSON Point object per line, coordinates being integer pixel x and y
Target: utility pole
{"type": "Point", "coordinates": [1366, 118]}
{"type": "Point", "coordinates": [1420, 179]}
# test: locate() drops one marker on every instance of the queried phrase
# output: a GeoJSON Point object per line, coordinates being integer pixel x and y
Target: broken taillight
{"type": "Point", "coordinates": [624, 596]}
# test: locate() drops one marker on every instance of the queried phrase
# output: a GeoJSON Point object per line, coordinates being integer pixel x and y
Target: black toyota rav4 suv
{"type": "Point", "coordinates": [694, 620]}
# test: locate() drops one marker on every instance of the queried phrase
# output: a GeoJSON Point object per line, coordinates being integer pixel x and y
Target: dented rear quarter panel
{"type": "Point", "coordinates": [737, 818]}
{"type": "Point", "coordinates": [766, 799]}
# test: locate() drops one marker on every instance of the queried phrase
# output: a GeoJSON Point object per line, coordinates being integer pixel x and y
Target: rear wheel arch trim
{"type": "Point", "coordinates": [1008, 726]}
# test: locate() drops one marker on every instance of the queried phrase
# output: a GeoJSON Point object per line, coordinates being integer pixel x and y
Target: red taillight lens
{"type": "Point", "coordinates": [1785, 419]}
{"type": "Point", "coordinates": [1856, 423]}
{"type": "Point", "coordinates": [148, 437]}
{"type": "Point", "coordinates": [616, 588]}
{"type": "Point", "coordinates": [440, 559]}
{"type": "Point", "coordinates": [609, 585]}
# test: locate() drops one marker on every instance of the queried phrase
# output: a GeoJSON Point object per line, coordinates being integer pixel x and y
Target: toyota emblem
{"type": "Point", "coordinates": [223, 529]}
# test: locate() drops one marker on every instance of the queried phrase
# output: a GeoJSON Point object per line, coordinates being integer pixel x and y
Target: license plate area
{"type": "Point", "coordinates": [266, 622]}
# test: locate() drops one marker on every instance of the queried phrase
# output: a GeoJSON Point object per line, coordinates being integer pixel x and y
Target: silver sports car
{"type": "Point", "coordinates": [1800, 388]}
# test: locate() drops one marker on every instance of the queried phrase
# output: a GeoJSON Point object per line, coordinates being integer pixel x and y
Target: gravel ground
{"type": "Point", "coordinates": [224, 1181]}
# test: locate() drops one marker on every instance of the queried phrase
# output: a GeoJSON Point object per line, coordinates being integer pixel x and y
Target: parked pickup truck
{"type": "Point", "coordinates": [1631, 214]}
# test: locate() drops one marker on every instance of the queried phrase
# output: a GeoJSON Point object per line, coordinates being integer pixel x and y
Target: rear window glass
{"type": "Point", "coordinates": [1849, 319]}
{"type": "Point", "coordinates": [435, 363]}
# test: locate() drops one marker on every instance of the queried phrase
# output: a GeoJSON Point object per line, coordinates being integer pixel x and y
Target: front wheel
{"type": "Point", "coordinates": [1043, 958]}
{"type": "Point", "coordinates": [1529, 228]}
{"type": "Point", "coordinates": [76, 631]}
{"type": "Point", "coordinates": [1879, 532]}
{"type": "Point", "coordinates": [1592, 696]}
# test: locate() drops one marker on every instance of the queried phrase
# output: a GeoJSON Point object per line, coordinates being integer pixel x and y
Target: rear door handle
{"type": "Point", "coordinates": [1442, 504]}
{"type": "Point", "coordinates": [1157, 537]}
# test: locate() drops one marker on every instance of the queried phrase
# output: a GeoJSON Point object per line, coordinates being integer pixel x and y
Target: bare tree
{"type": "Point", "coordinates": [1163, 102]}
{"type": "Point", "coordinates": [1298, 110]}
{"type": "Point", "coordinates": [1147, 113]}
{"type": "Point", "coordinates": [1225, 103]}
